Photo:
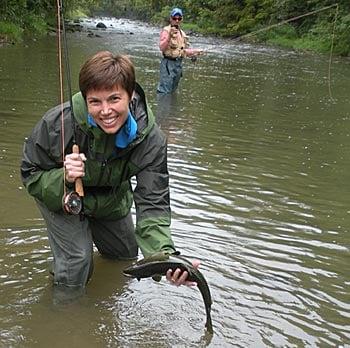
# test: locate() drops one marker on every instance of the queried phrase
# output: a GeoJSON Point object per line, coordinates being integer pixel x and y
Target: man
{"type": "Point", "coordinates": [174, 46]}
{"type": "Point", "coordinates": [118, 139]}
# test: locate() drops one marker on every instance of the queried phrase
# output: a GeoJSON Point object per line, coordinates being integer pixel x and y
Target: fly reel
{"type": "Point", "coordinates": [72, 203]}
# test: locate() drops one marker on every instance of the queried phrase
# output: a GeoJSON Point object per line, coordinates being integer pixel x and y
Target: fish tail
{"type": "Point", "coordinates": [209, 325]}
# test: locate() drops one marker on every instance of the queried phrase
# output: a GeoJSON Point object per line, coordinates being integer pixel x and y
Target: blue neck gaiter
{"type": "Point", "coordinates": [125, 135]}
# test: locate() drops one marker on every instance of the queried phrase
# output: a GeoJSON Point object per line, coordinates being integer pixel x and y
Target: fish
{"type": "Point", "coordinates": [159, 263]}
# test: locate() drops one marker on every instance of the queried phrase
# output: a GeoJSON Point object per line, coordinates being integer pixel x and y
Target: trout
{"type": "Point", "coordinates": [158, 264]}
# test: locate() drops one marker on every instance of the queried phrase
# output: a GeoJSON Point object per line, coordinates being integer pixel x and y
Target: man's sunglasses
{"type": "Point", "coordinates": [179, 19]}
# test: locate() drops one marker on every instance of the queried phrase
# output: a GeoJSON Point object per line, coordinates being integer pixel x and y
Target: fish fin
{"type": "Point", "coordinates": [157, 277]}
{"type": "Point", "coordinates": [156, 257]}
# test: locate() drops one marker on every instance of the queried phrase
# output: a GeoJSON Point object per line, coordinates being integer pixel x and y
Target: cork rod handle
{"type": "Point", "coordinates": [79, 189]}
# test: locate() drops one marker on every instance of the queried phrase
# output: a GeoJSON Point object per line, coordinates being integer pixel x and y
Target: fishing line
{"type": "Point", "coordinates": [331, 51]}
{"type": "Point", "coordinates": [298, 17]}
{"type": "Point", "coordinates": [60, 74]}
{"type": "Point", "coordinates": [69, 83]}
{"type": "Point", "coordinates": [194, 69]}
{"type": "Point", "coordinates": [301, 16]}
{"type": "Point", "coordinates": [285, 21]}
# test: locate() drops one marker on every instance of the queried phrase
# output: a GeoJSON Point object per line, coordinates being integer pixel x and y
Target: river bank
{"type": "Point", "coordinates": [284, 37]}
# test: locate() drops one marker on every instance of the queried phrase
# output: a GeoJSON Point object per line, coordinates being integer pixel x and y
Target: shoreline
{"type": "Point", "coordinates": [73, 25]}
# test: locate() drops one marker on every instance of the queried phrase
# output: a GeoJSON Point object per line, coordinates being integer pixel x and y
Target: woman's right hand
{"type": "Point", "coordinates": [74, 166]}
{"type": "Point", "coordinates": [174, 31]}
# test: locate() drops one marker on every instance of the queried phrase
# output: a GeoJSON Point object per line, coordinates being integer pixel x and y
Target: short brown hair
{"type": "Point", "coordinates": [104, 70]}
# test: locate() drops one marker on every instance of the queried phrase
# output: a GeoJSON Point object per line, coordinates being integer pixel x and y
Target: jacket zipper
{"type": "Point", "coordinates": [103, 166]}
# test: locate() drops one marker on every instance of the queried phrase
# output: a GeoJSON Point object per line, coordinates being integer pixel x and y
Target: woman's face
{"type": "Point", "coordinates": [176, 20]}
{"type": "Point", "coordinates": [109, 108]}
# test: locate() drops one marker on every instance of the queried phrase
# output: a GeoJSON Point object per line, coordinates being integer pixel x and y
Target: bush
{"type": "Point", "coordinates": [10, 32]}
{"type": "Point", "coordinates": [35, 24]}
{"type": "Point", "coordinates": [161, 18]}
{"type": "Point", "coordinates": [342, 37]}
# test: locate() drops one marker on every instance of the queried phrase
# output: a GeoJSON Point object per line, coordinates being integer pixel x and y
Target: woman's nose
{"type": "Point", "coordinates": [105, 108]}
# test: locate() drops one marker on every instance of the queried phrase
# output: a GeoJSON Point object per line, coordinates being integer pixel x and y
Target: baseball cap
{"type": "Point", "coordinates": [176, 11]}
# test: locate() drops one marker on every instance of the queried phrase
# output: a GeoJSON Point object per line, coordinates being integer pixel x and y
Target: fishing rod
{"type": "Point", "coordinates": [72, 202]}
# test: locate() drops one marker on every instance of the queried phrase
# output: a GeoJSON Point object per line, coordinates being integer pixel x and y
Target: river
{"type": "Point", "coordinates": [259, 165]}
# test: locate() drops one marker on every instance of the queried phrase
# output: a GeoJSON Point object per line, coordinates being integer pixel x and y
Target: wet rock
{"type": "Point", "coordinates": [101, 25]}
{"type": "Point", "coordinates": [73, 27]}
{"type": "Point", "coordinates": [91, 34]}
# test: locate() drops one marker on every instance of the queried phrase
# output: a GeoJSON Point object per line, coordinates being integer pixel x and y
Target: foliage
{"type": "Point", "coordinates": [162, 17]}
{"type": "Point", "coordinates": [10, 32]}
{"type": "Point", "coordinates": [36, 24]}
{"type": "Point", "coordinates": [342, 36]}
{"type": "Point", "coordinates": [33, 16]}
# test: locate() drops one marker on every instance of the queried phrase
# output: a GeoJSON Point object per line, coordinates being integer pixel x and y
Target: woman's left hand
{"type": "Point", "coordinates": [177, 277]}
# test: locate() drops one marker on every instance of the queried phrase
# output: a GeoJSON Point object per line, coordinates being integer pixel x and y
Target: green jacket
{"type": "Point", "coordinates": [108, 192]}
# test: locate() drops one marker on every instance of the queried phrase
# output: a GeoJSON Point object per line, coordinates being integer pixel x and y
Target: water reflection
{"type": "Point", "coordinates": [167, 107]}
{"type": "Point", "coordinates": [43, 319]}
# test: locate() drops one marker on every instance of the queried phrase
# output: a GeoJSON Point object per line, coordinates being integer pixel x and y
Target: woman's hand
{"type": "Point", "coordinates": [177, 277]}
{"type": "Point", "coordinates": [74, 166]}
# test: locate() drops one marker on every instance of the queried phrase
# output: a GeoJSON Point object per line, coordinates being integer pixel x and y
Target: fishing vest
{"type": "Point", "coordinates": [177, 44]}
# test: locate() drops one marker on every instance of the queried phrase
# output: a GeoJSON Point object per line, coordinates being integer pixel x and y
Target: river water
{"type": "Point", "coordinates": [259, 163]}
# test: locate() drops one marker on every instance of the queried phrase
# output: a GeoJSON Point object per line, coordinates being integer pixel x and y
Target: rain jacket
{"type": "Point", "coordinates": [108, 192]}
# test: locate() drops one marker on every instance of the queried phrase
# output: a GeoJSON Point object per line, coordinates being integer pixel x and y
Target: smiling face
{"type": "Point", "coordinates": [108, 107]}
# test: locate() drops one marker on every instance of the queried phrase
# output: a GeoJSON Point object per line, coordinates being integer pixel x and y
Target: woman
{"type": "Point", "coordinates": [118, 139]}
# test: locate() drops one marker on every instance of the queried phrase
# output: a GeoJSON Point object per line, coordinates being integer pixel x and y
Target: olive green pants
{"type": "Point", "coordinates": [71, 240]}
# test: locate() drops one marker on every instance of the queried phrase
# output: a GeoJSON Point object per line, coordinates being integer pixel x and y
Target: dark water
{"type": "Point", "coordinates": [259, 162]}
